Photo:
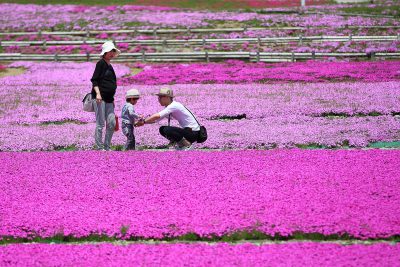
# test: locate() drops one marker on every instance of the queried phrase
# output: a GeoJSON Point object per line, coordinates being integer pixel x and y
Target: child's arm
{"type": "Point", "coordinates": [149, 120]}
{"type": "Point", "coordinates": [132, 114]}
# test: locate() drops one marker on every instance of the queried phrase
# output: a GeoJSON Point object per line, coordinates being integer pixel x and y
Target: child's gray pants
{"type": "Point", "coordinates": [127, 130]}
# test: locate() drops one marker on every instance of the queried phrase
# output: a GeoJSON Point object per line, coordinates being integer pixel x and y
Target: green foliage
{"type": "Point", "coordinates": [60, 27]}
{"type": "Point", "coordinates": [266, 11]}
{"type": "Point", "coordinates": [124, 229]}
{"type": "Point", "coordinates": [82, 23]}
{"type": "Point", "coordinates": [65, 148]}
{"type": "Point", "coordinates": [378, 10]}
{"type": "Point", "coordinates": [195, 4]}
{"type": "Point", "coordinates": [62, 122]}
{"type": "Point", "coordinates": [394, 144]}
{"type": "Point", "coordinates": [189, 237]}
{"type": "Point", "coordinates": [254, 23]}
{"type": "Point", "coordinates": [133, 24]}
{"type": "Point", "coordinates": [238, 236]}
{"type": "Point", "coordinates": [117, 147]}
{"type": "Point", "coordinates": [244, 235]}
{"type": "Point", "coordinates": [311, 146]}
{"type": "Point", "coordinates": [345, 115]}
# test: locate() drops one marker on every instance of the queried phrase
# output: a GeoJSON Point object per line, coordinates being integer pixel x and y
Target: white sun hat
{"type": "Point", "coordinates": [107, 47]}
{"type": "Point", "coordinates": [166, 91]}
{"type": "Point", "coordinates": [133, 93]}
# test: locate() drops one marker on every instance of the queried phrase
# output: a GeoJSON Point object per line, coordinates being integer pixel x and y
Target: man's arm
{"type": "Point", "coordinates": [152, 119]}
{"type": "Point", "coordinates": [157, 116]}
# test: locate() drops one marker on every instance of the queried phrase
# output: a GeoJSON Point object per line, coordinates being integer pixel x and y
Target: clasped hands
{"type": "Point", "coordinates": [140, 122]}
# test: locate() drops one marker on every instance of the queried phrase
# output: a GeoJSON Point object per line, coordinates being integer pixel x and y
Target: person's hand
{"type": "Point", "coordinates": [98, 98]}
{"type": "Point", "coordinates": [139, 123]}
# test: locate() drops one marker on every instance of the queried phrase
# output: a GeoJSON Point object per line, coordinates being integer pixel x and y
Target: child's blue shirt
{"type": "Point", "coordinates": [128, 114]}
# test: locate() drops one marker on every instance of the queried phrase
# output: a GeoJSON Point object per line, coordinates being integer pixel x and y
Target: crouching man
{"type": "Point", "coordinates": [188, 131]}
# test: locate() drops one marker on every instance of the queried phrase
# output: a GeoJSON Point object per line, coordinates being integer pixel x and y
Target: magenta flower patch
{"type": "Point", "coordinates": [156, 195]}
{"type": "Point", "coordinates": [290, 254]}
{"type": "Point", "coordinates": [44, 112]}
{"type": "Point", "coordinates": [75, 17]}
{"type": "Point", "coordinates": [241, 72]}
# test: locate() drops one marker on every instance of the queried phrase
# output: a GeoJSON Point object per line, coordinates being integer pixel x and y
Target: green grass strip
{"type": "Point", "coordinates": [378, 10]}
{"type": "Point", "coordinates": [394, 144]}
{"type": "Point", "coordinates": [237, 236]}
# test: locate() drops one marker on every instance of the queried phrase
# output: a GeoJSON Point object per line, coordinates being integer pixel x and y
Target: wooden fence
{"type": "Point", "coordinates": [179, 42]}
{"type": "Point", "coordinates": [198, 56]}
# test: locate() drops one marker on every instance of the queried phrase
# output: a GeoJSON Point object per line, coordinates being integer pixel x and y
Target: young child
{"type": "Point", "coordinates": [128, 117]}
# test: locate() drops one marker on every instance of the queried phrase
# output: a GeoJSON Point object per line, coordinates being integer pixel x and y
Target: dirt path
{"type": "Point", "coordinates": [12, 72]}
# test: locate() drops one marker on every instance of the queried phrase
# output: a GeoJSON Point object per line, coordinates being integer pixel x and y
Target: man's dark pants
{"type": "Point", "coordinates": [176, 134]}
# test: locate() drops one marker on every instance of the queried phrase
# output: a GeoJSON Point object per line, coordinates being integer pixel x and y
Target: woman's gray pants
{"type": "Point", "coordinates": [104, 116]}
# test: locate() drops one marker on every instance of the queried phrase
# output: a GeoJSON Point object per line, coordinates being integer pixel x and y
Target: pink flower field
{"type": "Point", "coordinates": [237, 72]}
{"type": "Point", "coordinates": [71, 17]}
{"type": "Point", "coordinates": [291, 254]}
{"type": "Point", "coordinates": [362, 108]}
{"type": "Point", "coordinates": [301, 164]}
{"type": "Point", "coordinates": [279, 192]}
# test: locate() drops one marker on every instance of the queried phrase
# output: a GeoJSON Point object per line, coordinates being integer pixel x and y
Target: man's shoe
{"type": "Point", "coordinates": [185, 148]}
{"type": "Point", "coordinates": [184, 143]}
{"type": "Point", "coordinates": [188, 148]}
{"type": "Point", "coordinates": [171, 144]}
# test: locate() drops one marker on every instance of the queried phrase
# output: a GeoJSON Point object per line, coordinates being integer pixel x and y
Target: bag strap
{"type": "Point", "coordinates": [193, 116]}
{"type": "Point", "coordinates": [169, 117]}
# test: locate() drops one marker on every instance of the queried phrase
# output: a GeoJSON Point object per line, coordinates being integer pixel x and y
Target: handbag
{"type": "Point", "coordinates": [202, 134]}
{"type": "Point", "coordinates": [202, 137]}
{"type": "Point", "coordinates": [88, 103]}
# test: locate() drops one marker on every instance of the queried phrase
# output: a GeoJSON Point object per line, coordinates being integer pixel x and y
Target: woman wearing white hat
{"type": "Point", "coordinates": [104, 85]}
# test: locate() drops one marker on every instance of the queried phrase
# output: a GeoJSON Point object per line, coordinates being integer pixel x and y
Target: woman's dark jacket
{"type": "Point", "coordinates": [104, 77]}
